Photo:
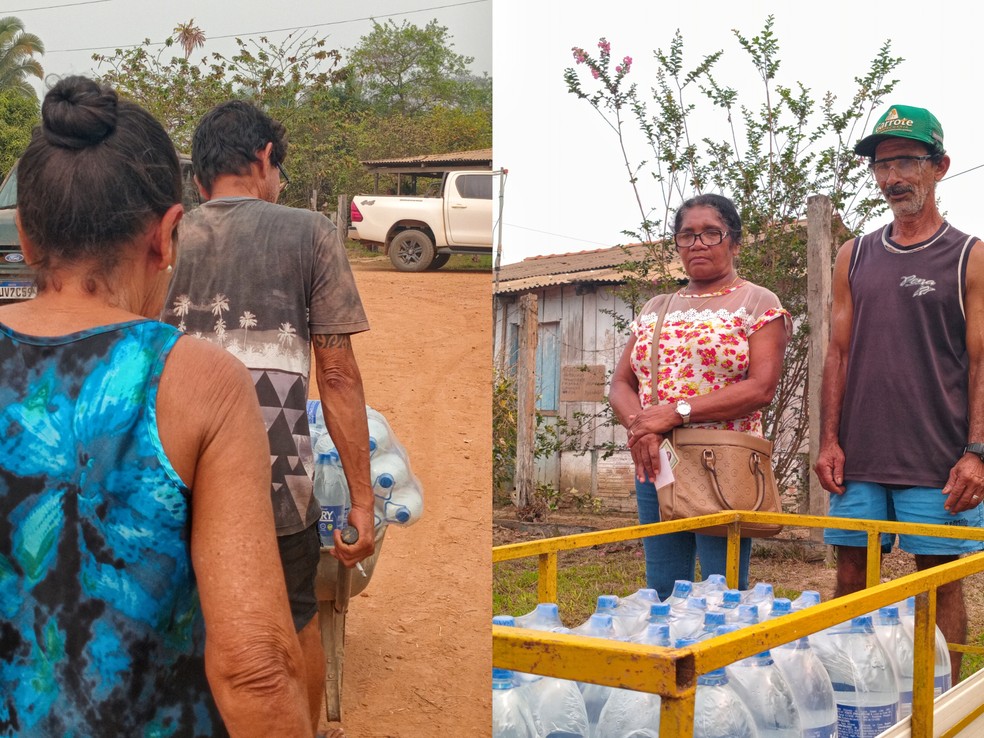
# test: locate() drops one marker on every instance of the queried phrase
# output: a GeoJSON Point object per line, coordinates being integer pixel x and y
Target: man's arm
{"type": "Point", "coordinates": [965, 487]}
{"type": "Point", "coordinates": [830, 461]}
{"type": "Point", "coordinates": [344, 405]}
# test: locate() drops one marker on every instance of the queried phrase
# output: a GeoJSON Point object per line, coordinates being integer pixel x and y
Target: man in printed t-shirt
{"type": "Point", "coordinates": [267, 282]}
{"type": "Point", "coordinates": [902, 421]}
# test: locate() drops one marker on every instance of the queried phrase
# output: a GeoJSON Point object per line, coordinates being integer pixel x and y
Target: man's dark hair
{"type": "Point", "coordinates": [228, 137]}
{"type": "Point", "coordinates": [96, 173]}
{"type": "Point", "coordinates": [724, 207]}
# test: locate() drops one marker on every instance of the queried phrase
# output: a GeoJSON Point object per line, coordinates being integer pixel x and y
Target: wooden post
{"type": "Point", "coordinates": [818, 294]}
{"type": "Point", "coordinates": [526, 400]}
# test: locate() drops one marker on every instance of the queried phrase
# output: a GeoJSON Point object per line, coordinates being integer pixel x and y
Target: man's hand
{"type": "Point", "coordinates": [965, 487]}
{"type": "Point", "coordinates": [362, 521]}
{"type": "Point", "coordinates": [830, 468]}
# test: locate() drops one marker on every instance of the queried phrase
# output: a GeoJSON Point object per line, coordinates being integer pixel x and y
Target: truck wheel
{"type": "Point", "coordinates": [411, 251]}
{"type": "Point", "coordinates": [439, 261]}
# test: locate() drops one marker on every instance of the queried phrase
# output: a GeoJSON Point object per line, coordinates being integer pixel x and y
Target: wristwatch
{"type": "Point", "coordinates": [977, 449]}
{"type": "Point", "coordinates": [683, 410]}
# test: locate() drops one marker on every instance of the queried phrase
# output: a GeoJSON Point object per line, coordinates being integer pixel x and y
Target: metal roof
{"type": "Point", "coordinates": [600, 266]}
{"type": "Point", "coordinates": [476, 159]}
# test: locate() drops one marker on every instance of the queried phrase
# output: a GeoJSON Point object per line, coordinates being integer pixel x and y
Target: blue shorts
{"type": "Point", "coordinates": [870, 501]}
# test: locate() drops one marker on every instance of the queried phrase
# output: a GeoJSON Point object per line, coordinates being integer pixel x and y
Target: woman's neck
{"type": "Point", "coordinates": [704, 287]}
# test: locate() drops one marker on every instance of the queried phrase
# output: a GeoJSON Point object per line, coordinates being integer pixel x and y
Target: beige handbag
{"type": "Point", "coordinates": [719, 470]}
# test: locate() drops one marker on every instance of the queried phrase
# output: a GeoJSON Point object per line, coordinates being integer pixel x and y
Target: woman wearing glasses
{"type": "Point", "coordinates": [716, 362]}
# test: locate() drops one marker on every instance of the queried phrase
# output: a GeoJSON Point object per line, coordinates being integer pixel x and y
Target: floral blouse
{"type": "Point", "coordinates": [703, 345]}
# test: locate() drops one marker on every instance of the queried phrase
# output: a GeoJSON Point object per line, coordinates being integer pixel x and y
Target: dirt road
{"type": "Point", "coordinates": [417, 649]}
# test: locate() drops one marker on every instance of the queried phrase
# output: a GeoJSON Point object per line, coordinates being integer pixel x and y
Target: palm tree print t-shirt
{"type": "Point", "coordinates": [260, 279]}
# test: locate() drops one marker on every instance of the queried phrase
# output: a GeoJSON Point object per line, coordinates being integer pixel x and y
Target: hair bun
{"type": "Point", "coordinates": [78, 113]}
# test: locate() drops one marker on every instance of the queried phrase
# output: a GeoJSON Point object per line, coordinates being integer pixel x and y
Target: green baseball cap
{"type": "Point", "coordinates": [904, 121]}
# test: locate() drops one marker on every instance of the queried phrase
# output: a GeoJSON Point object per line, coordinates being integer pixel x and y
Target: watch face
{"type": "Point", "coordinates": [683, 407]}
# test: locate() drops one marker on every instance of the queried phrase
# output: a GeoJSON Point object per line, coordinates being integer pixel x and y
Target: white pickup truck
{"type": "Point", "coordinates": [446, 213]}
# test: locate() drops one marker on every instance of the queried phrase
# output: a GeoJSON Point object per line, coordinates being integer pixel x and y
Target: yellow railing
{"type": "Point", "coordinates": [672, 672]}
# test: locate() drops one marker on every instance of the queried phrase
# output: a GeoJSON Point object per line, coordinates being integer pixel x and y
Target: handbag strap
{"type": "Point", "coordinates": [657, 331]}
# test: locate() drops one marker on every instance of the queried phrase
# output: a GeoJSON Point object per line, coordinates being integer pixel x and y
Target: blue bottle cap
{"type": "Point", "coordinates": [548, 609]}
{"type": "Point", "coordinates": [508, 620]}
{"type": "Point", "coordinates": [781, 605]}
{"type": "Point", "coordinates": [402, 515]}
{"type": "Point", "coordinates": [606, 603]}
{"type": "Point", "coordinates": [385, 480]}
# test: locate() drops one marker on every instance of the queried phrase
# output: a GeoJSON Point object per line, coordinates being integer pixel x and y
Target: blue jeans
{"type": "Point", "coordinates": [672, 556]}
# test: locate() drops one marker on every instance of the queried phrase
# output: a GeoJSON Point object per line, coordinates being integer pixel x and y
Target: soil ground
{"type": "Point", "coordinates": [417, 659]}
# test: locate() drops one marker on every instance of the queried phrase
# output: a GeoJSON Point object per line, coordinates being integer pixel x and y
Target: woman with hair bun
{"type": "Point", "coordinates": [134, 487]}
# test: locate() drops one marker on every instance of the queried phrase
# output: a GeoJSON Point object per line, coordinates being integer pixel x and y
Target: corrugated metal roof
{"type": "Point", "coordinates": [476, 157]}
{"type": "Point", "coordinates": [599, 266]}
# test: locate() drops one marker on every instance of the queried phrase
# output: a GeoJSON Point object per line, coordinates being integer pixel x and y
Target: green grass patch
{"type": "Point", "coordinates": [356, 250]}
{"type": "Point", "coordinates": [472, 262]}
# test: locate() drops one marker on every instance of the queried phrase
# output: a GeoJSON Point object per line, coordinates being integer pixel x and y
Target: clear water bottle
{"type": "Point", "coordinates": [682, 588]}
{"type": "Point", "coordinates": [767, 695]}
{"type": "Point", "coordinates": [545, 616]}
{"type": "Point", "coordinates": [718, 710]}
{"type": "Point", "coordinates": [712, 588]}
{"type": "Point", "coordinates": [316, 421]}
{"type": "Point", "coordinates": [811, 688]}
{"type": "Point", "coordinates": [389, 471]}
{"type": "Point", "coordinates": [331, 492]}
{"type": "Point", "coordinates": [865, 690]}
{"type": "Point", "coordinates": [631, 714]}
{"type": "Point", "coordinates": [942, 668]}
{"type": "Point", "coordinates": [641, 599]}
{"type": "Point", "coordinates": [687, 621]}
{"type": "Point", "coordinates": [380, 435]}
{"type": "Point", "coordinates": [900, 648]}
{"type": "Point", "coordinates": [730, 600]}
{"type": "Point", "coordinates": [558, 708]}
{"type": "Point", "coordinates": [762, 595]}
{"type": "Point", "coordinates": [598, 625]}
{"type": "Point", "coordinates": [807, 598]}
{"type": "Point", "coordinates": [747, 615]}
{"type": "Point", "coordinates": [511, 715]}
{"type": "Point", "coordinates": [712, 621]}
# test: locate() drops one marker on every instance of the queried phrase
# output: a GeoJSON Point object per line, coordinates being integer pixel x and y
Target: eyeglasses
{"type": "Point", "coordinates": [685, 239]}
{"type": "Point", "coordinates": [905, 166]}
{"type": "Point", "coordinates": [285, 180]}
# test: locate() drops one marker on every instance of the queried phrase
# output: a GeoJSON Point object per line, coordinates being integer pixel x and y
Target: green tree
{"type": "Point", "coordinates": [769, 155]}
{"type": "Point", "coordinates": [17, 62]}
{"type": "Point", "coordinates": [408, 69]}
{"type": "Point", "coordinates": [18, 116]}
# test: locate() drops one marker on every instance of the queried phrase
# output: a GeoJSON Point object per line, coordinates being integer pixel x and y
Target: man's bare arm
{"type": "Point", "coordinates": [343, 401]}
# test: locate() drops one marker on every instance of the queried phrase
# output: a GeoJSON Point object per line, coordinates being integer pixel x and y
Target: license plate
{"type": "Point", "coordinates": [17, 291]}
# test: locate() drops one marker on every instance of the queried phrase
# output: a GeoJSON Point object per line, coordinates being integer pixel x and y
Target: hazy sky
{"type": "Point", "coordinates": [567, 189]}
{"type": "Point", "coordinates": [72, 30]}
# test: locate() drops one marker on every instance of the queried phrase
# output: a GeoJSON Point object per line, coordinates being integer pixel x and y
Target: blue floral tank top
{"type": "Point", "coordinates": [101, 631]}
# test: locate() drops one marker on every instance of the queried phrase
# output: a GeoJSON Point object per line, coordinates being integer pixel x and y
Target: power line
{"type": "Point", "coordinates": [52, 7]}
{"type": "Point", "coordinates": [965, 171]}
{"type": "Point", "coordinates": [281, 30]}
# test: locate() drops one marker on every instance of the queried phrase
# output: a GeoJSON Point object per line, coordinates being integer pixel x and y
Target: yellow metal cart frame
{"type": "Point", "coordinates": [672, 672]}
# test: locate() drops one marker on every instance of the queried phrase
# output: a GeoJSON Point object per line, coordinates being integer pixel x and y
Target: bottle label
{"type": "Point", "coordinates": [941, 684]}
{"type": "Point", "coordinates": [905, 704]}
{"type": "Point", "coordinates": [824, 731]}
{"type": "Point", "coordinates": [867, 721]}
{"type": "Point", "coordinates": [332, 516]}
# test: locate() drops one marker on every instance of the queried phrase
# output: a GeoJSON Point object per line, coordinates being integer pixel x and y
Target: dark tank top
{"type": "Point", "coordinates": [904, 419]}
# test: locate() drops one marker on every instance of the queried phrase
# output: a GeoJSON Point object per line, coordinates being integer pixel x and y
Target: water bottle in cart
{"type": "Point", "coordinates": [811, 688]}
{"type": "Point", "coordinates": [942, 675]}
{"type": "Point", "coordinates": [898, 645]}
{"type": "Point", "coordinates": [718, 710]}
{"type": "Point", "coordinates": [767, 695]}
{"type": "Point", "coordinates": [511, 716]}
{"type": "Point", "coordinates": [860, 671]}
{"type": "Point", "coordinates": [545, 616]}
{"type": "Point", "coordinates": [331, 492]}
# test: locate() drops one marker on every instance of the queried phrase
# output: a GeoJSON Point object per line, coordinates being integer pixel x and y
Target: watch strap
{"type": "Point", "coordinates": [977, 449]}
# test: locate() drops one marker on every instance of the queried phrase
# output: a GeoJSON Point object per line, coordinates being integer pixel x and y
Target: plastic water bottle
{"type": "Point", "coordinates": [388, 471]}
{"type": "Point", "coordinates": [641, 599]}
{"type": "Point", "coordinates": [807, 598]}
{"type": "Point", "coordinates": [767, 695]}
{"type": "Point", "coordinates": [747, 615]}
{"type": "Point", "coordinates": [860, 671]}
{"type": "Point", "coordinates": [511, 715]}
{"type": "Point", "coordinates": [687, 621]}
{"type": "Point", "coordinates": [630, 714]}
{"type": "Point", "coordinates": [682, 589]}
{"type": "Point", "coordinates": [545, 616]}
{"type": "Point", "coordinates": [316, 421]}
{"type": "Point", "coordinates": [598, 625]}
{"type": "Point", "coordinates": [712, 588]}
{"type": "Point", "coordinates": [730, 600]}
{"type": "Point", "coordinates": [762, 595]}
{"type": "Point", "coordinates": [942, 668]}
{"type": "Point", "coordinates": [712, 621]}
{"type": "Point", "coordinates": [718, 710]}
{"type": "Point", "coordinates": [900, 648]}
{"type": "Point", "coordinates": [811, 688]}
{"type": "Point", "coordinates": [331, 492]}
{"type": "Point", "coordinates": [380, 436]}
{"type": "Point", "coordinates": [558, 708]}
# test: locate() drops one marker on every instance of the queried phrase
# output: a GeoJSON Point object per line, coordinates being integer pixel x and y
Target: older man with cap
{"type": "Point", "coordinates": [902, 419]}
